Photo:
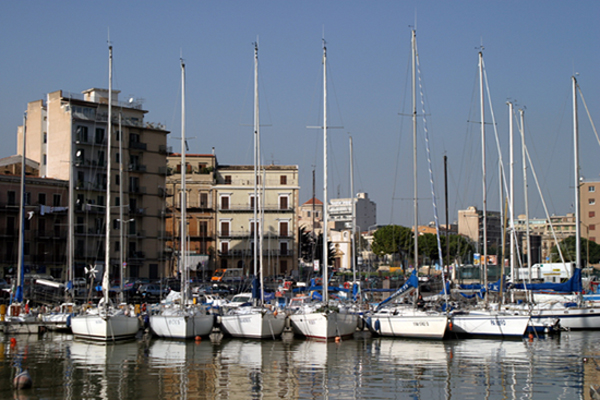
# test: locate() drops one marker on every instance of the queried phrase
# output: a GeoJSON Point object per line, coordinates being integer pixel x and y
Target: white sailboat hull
{"type": "Point", "coordinates": [253, 325]}
{"type": "Point", "coordinates": [573, 318]}
{"type": "Point", "coordinates": [20, 325]}
{"type": "Point", "coordinates": [104, 327]}
{"type": "Point", "coordinates": [409, 324]}
{"type": "Point", "coordinates": [488, 324]}
{"type": "Point", "coordinates": [324, 326]}
{"type": "Point", "coordinates": [184, 326]}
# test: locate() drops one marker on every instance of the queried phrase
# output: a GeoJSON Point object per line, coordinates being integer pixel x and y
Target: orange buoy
{"type": "Point", "coordinates": [198, 339]}
{"type": "Point", "coordinates": [450, 325]}
{"type": "Point", "coordinates": [338, 339]}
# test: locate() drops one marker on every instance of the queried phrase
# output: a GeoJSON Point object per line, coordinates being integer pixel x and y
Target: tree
{"type": "Point", "coordinates": [306, 244]}
{"type": "Point", "coordinates": [567, 247]}
{"type": "Point", "coordinates": [392, 239]}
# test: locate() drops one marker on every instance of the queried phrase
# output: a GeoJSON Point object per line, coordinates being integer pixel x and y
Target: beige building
{"type": "Point", "coordinates": [310, 216]}
{"type": "Point", "coordinates": [470, 224]}
{"type": "Point", "coordinates": [236, 221]}
{"type": "Point", "coordinates": [201, 211]}
{"type": "Point", "coordinates": [67, 135]}
{"type": "Point", "coordinates": [589, 193]}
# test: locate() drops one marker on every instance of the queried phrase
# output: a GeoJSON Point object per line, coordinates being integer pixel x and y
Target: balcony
{"type": "Point", "coordinates": [137, 189]}
{"type": "Point", "coordinates": [137, 146]}
{"type": "Point", "coordinates": [137, 255]}
{"type": "Point", "coordinates": [163, 149]}
{"type": "Point", "coordinates": [245, 208]}
{"type": "Point", "coordinates": [137, 211]}
{"type": "Point", "coordinates": [250, 253]}
{"type": "Point", "coordinates": [137, 168]}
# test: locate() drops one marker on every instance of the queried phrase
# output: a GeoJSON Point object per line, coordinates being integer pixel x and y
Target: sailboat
{"type": "Point", "coordinates": [483, 320]}
{"type": "Point", "coordinates": [256, 321]}
{"type": "Point", "coordinates": [19, 319]}
{"type": "Point", "coordinates": [106, 321]}
{"type": "Point", "coordinates": [571, 316]}
{"type": "Point", "coordinates": [404, 319]}
{"type": "Point", "coordinates": [183, 320]}
{"type": "Point", "coordinates": [324, 320]}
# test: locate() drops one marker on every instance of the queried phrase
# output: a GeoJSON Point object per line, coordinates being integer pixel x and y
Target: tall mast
{"type": "Point", "coordinates": [577, 178]}
{"type": "Point", "coordinates": [183, 229]}
{"type": "Point", "coordinates": [71, 222]}
{"type": "Point", "coordinates": [21, 259]}
{"type": "Point", "coordinates": [325, 198]}
{"type": "Point", "coordinates": [511, 195]}
{"type": "Point", "coordinates": [353, 205]}
{"type": "Point", "coordinates": [121, 231]}
{"type": "Point", "coordinates": [483, 177]}
{"type": "Point", "coordinates": [525, 190]}
{"type": "Point", "coordinates": [105, 280]}
{"type": "Point", "coordinates": [258, 265]}
{"type": "Point", "coordinates": [414, 122]}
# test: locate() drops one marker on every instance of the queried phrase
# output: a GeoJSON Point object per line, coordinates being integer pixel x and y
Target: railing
{"type": "Point", "coordinates": [248, 208]}
{"type": "Point", "coordinates": [250, 253]}
{"type": "Point", "coordinates": [137, 145]}
{"type": "Point", "coordinates": [137, 168]}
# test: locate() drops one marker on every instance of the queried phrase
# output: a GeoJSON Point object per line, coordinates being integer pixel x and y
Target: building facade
{"type": "Point", "coordinates": [310, 216]}
{"type": "Point", "coordinates": [340, 213]}
{"type": "Point", "coordinates": [470, 224]}
{"type": "Point", "coordinates": [45, 226]}
{"type": "Point", "coordinates": [67, 135]}
{"type": "Point", "coordinates": [589, 195]}
{"type": "Point", "coordinates": [201, 212]}
{"type": "Point", "coordinates": [236, 221]}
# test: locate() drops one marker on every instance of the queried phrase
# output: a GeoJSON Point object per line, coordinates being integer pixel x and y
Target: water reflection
{"type": "Point", "coordinates": [363, 368]}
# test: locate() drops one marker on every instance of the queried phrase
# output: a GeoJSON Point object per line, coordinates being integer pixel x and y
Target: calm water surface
{"type": "Point", "coordinates": [362, 368]}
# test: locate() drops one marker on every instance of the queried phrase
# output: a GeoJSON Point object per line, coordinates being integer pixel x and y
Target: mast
{"type": "Point", "coordinates": [577, 177]}
{"type": "Point", "coordinates": [18, 296]}
{"type": "Point", "coordinates": [525, 190]}
{"type": "Point", "coordinates": [414, 122]}
{"type": "Point", "coordinates": [121, 231]}
{"type": "Point", "coordinates": [353, 205]}
{"type": "Point", "coordinates": [258, 265]}
{"type": "Point", "coordinates": [483, 177]}
{"type": "Point", "coordinates": [511, 195]}
{"type": "Point", "coordinates": [325, 198]}
{"type": "Point", "coordinates": [105, 279]}
{"type": "Point", "coordinates": [447, 222]}
{"type": "Point", "coordinates": [183, 229]}
{"type": "Point", "coordinates": [71, 225]}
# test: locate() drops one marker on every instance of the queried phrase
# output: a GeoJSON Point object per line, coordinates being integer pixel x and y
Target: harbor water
{"type": "Point", "coordinates": [364, 367]}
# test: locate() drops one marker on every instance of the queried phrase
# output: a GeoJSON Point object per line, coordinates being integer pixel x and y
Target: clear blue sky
{"type": "Point", "coordinates": [531, 50]}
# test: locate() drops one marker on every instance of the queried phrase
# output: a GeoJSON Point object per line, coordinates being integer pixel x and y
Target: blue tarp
{"type": "Point", "coordinates": [573, 285]}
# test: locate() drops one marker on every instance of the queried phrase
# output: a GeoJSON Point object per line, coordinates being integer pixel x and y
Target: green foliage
{"type": "Point", "coordinates": [393, 239]}
{"type": "Point", "coordinates": [567, 247]}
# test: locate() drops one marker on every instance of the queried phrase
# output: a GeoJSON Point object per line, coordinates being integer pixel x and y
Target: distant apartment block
{"type": "Point", "coordinates": [340, 212]}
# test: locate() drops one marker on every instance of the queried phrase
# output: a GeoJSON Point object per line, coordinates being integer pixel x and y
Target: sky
{"type": "Point", "coordinates": [530, 50]}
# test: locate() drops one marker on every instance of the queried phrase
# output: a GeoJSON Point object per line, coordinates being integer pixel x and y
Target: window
{"type": "Point", "coordinates": [203, 228]}
{"type": "Point", "coordinates": [283, 249]}
{"type": "Point", "coordinates": [12, 198]}
{"type": "Point", "coordinates": [56, 200]}
{"type": "Point", "coordinates": [79, 227]}
{"type": "Point", "coordinates": [224, 228]}
{"type": "Point", "coordinates": [224, 247]}
{"type": "Point", "coordinates": [118, 179]}
{"type": "Point", "coordinates": [283, 228]}
{"type": "Point", "coordinates": [41, 226]}
{"type": "Point", "coordinates": [99, 135]}
{"type": "Point", "coordinates": [592, 239]}
{"type": "Point", "coordinates": [42, 199]}
{"type": "Point", "coordinates": [283, 202]}
{"type": "Point", "coordinates": [203, 200]}
{"type": "Point", "coordinates": [591, 202]}
{"type": "Point", "coordinates": [118, 245]}
{"type": "Point", "coordinates": [228, 179]}
{"type": "Point", "coordinates": [224, 202]}
{"type": "Point", "coordinates": [27, 198]}
{"type": "Point", "coordinates": [252, 224]}
{"type": "Point", "coordinates": [117, 201]}
{"type": "Point", "coordinates": [592, 227]}
{"type": "Point", "coordinates": [45, 160]}
{"type": "Point", "coordinates": [81, 134]}
{"type": "Point", "coordinates": [45, 137]}
{"type": "Point", "coordinates": [283, 180]}
{"type": "Point", "coordinates": [591, 189]}
{"type": "Point", "coordinates": [116, 223]}
{"type": "Point", "coordinates": [252, 202]}
{"type": "Point", "coordinates": [592, 214]}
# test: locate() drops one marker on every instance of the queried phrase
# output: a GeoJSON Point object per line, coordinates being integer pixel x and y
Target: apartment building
{"type": "Point", "coordinates": [470, 224]}
{"type": "Point", "coordinates": [201, 212]}
{"type": "Point", "coordinates": [45, 223]}
{"type": "Point", "coordinates": [277, 198]}
{"type": "Point", "coordinates": [589, 195]}
{"type": "Point", "coordinates": [310, 216]}
{"type": "Point", "coordinates": [67, 135]}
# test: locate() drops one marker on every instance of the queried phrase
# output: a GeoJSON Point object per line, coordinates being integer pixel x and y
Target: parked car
{"type": "Point", "coordinates": [152, 291]}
